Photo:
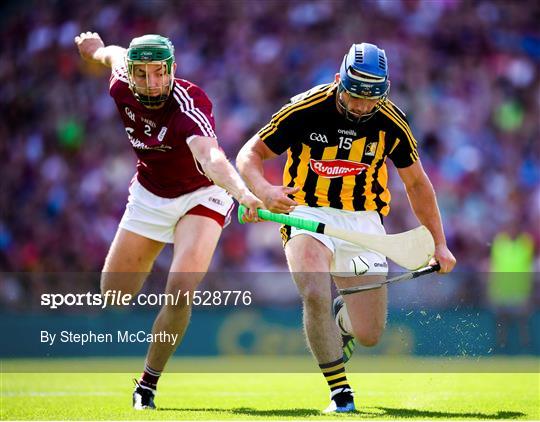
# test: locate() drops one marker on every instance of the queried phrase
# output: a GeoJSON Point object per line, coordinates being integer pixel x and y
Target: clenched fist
{"type": "Point", "coordinates": [88, 43]}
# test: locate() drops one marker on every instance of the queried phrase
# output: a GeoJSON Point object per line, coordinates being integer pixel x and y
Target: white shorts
{"type": "Point", "coordinates": [155, 217]}
{"type": "Point", "coordinates": [343, 252]}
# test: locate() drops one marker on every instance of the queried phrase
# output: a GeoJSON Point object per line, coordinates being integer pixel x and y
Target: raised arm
{"type": "Point", "coordinates": [424, 204]}
{"type": "Point", "coordinates": [216, 166]}
{"type": "Point", "coordinates": [92, 48]}
{"type": "Point", "coordinates": [250, 164]}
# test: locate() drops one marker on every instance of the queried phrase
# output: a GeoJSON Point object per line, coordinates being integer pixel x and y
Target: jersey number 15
{"type": "Point", "coordinates": [345, 143]}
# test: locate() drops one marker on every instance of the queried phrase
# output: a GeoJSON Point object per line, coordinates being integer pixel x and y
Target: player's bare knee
{"type": "Point", "coordinates": [106, 284]}
{"type": "Point", "coordinates": [370, 341]}
{"type": "Point", "coordinates": [306, 254]}
{"type": "Point", "coordinates": [185, 283]}
{"type": "Point", "coordinates": [369, 337]}
{"type": "Point", "coordinates": [311, 259]}
{"type": "Point", "coordinates": [177, 309]}
{"type": "Point", "coordinates": [121, 283]}
{"type": "Point", "coordinates": [313, 294]}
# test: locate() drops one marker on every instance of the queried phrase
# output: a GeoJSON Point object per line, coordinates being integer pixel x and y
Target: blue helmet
{"type": "Point", "coordinates": [364, 72]}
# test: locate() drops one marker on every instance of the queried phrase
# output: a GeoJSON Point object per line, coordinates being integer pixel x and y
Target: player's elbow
{"type": "Point", "coordinates": [420, 185]}
{"type": "Point", "coordinates": [212, 161]}
{"type": "Point", "coordinates": [242, 159]}
{"type": "Point", "coordinates": [251, 154]}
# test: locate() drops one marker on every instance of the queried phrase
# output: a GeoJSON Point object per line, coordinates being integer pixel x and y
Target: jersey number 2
{"type": "Point", "coordinates": [147, 130]}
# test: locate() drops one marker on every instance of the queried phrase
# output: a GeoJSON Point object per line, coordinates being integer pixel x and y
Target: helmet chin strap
{"type": "Point", "coordinates": [353, 117]}
{"type": "Point", "coordinates": [153, 101]}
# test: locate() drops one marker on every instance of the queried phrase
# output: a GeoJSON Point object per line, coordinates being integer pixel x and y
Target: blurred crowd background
{"type": "Point", "coordinates": [466, 73]}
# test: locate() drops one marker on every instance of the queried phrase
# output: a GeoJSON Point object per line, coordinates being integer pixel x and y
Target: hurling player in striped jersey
{"type": "Point", "coordinates": [181, 192]}
{"type": "Point", "coordinates": [337, 138]}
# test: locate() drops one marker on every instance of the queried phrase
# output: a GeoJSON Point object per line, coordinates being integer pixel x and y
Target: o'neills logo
{"type": "Point", "coordinates": [336, 168]}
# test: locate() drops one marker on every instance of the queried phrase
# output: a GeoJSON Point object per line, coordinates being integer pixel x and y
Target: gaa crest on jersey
{"type": "Point", "coordinates": [129, 113]}
{"type": "Point", "coordinates": [336, 168]}
{"type": "Point", "coordinates": [318, 137]}
{"type": "Point", "coordinates": [371, 148]}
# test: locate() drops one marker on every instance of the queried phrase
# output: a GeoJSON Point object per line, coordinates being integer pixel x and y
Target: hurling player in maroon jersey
{"type": "Point", "coordinates": [180, 193]}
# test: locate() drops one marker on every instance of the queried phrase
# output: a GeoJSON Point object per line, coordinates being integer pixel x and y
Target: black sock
{"type": "Point", "coordinates": [334, 373]}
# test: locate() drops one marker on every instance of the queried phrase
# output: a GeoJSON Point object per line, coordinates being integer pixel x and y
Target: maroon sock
{"type": "Point", "coordinates": [149, 377]}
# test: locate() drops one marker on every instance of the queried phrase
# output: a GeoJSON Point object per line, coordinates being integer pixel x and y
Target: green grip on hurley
{"type": "Point", "coordinates": [299, 223]}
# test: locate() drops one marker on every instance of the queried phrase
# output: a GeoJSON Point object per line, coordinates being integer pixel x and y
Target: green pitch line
{"type": "Point", "coordinates": [222, 396]}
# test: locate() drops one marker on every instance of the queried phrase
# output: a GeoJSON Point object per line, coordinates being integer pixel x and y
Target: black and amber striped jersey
{"type": "Point", "coordinates": [335, 162]}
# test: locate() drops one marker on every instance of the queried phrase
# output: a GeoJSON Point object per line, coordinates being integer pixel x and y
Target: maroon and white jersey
{"type": "Point", "coordinates": [165, 165]}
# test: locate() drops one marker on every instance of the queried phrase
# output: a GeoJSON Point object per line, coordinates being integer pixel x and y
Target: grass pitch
{"type": "Point", "coordinates": [298, 396]}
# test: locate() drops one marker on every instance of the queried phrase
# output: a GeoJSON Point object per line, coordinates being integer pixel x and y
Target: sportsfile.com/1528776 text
{"type": "Point", "coordinates": [117, 298]}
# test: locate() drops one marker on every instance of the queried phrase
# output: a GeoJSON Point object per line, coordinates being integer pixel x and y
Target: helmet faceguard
{"type": "Point", "coordinates": [151, 50]}
{"type": "Point", "coordinates": [363, 74]}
